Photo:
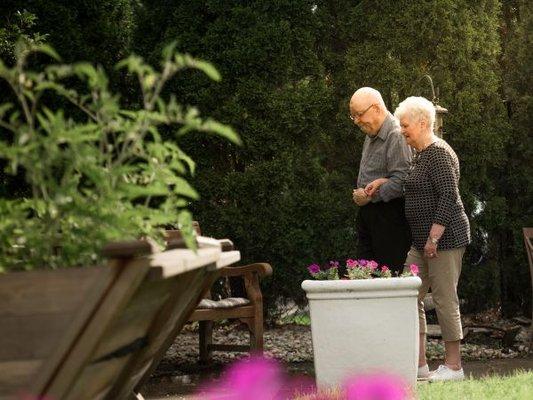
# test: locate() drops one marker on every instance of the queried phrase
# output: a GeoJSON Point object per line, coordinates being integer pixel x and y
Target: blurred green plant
{"type": "Point", "coordinates": [98, 173]}
{"type": "Point", "coordinates": [15, 26]}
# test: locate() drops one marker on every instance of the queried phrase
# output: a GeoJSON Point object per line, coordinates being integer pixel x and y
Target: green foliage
{"type": "Point", "coordinates": [277, 196]}
{"type": "Point", "coordinates": [290, 69]}
{"type": "Point", "coordinates": [17, 26]}
{"type": "Point", "coordinates": [102, 174]}
{"type": "Point", "coordinates": [97, 30]}
{"type": "Point", "coordinates": [275, 219]}
{"type": "Point", "coordinates": [515, 180]}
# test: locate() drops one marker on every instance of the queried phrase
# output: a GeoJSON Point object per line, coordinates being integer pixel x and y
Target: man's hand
{"type": "Point", "coordinates": [373, 186]}
{"type": "Point", "coordinates": [359, 197]}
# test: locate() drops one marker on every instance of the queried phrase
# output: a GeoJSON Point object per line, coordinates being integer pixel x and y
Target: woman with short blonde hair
{"type": "Point", "coordinates": [439, 227]}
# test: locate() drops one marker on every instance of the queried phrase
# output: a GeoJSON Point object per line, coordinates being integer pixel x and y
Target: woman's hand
{"type": "Point", "coordinates": [373, 186]}
{"type": "Point", "coordinates": [435, 233]}
{"type": "Point", "coordinates": [430, 249]}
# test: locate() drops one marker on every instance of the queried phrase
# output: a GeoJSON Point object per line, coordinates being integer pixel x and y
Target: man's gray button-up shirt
{"type": "Point", "coordinates": [385, 155]}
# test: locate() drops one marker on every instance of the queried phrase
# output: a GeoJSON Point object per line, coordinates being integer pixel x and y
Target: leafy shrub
{"type": "Point", "coordinates": [98, 173]}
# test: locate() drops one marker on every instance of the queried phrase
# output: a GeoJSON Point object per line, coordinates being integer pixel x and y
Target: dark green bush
{"type": "Point", "coordinates": [289, 68]}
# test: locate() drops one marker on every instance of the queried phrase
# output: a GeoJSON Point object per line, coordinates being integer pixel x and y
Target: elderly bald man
{"type": "Point", "coordinates": [383, 232]}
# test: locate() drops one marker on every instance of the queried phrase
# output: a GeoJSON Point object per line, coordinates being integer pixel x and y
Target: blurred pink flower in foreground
{"type": "Point", "coordinates": [376, 387]}
{"type": "Point", "coordinates": [256, 378]}
{"type": "Point", "coordinates": [259, 378]}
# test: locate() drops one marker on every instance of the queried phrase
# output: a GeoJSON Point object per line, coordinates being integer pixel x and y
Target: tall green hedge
{"type": "Point", "coordinates": [515, 182]}
{"type": "Point", "coordinates": [289, 68]}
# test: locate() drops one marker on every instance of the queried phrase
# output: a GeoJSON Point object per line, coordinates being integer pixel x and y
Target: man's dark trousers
{"type": "Point", "coordinates": [384, 234]}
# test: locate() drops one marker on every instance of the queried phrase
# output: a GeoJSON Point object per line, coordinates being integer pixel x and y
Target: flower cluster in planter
{"type": "Point", "coordinates": [357, 269]}
{"type": "Point", "coordinates": [328, 272]}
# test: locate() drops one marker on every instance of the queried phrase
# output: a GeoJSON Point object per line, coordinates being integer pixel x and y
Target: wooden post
{"type": "Point", "coordinates": [206, 340]}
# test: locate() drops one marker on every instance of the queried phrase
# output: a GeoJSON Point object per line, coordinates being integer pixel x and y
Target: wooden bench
{"type": "Point", "coordinates": [247, 309]}
{"type": "Point", "coordinates": [99, 332]}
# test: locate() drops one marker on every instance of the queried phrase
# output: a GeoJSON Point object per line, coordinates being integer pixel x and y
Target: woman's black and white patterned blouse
{"type": "Point", "coordinates": [432, 196]}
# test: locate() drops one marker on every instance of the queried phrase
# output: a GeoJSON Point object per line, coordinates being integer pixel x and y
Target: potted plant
{"type": "Point", "coordinates": [367, 321]}
{"type": "Point", "coordinates": [91, 168]}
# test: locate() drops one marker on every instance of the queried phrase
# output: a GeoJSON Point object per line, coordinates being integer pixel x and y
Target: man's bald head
{"type": "Point", "coordinates": [368, 110]}
{"type": "Point", "coordinates": [367, 96]}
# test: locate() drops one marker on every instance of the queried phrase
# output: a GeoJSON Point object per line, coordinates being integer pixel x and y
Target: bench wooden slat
{"type": "Point", "coordinates": [164, 265]}
{"type": "Point", "coordinates": [15, 375]}
{"type": "Point", "coordinates": [204, 314]}
{"type": "Point", "coordinates": [229, 347]}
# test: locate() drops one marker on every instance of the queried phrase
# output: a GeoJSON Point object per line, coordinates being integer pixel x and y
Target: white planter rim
{"type": "Point", "coordinates": [362, 285]}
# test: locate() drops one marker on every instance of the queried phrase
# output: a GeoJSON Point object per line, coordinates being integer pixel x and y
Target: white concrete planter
{"type": "Point", "coordinates": [363, 326]}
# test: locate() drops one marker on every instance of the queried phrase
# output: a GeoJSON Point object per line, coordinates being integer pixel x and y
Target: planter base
{"type": "Point", "coordinates": [364, 326]}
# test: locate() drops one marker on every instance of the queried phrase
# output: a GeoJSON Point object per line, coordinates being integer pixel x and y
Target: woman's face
{"type": "Point", "coordinates": [412, 131]}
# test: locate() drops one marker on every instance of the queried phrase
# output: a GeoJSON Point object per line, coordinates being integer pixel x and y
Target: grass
{"type": "Point", "coordinates": [517, 386]}
{"type": "Point", "coordinates": [297, 319]}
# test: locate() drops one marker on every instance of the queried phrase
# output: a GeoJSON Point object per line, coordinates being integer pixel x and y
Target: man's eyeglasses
{"type": "Point", "coordinates": [360, 114]}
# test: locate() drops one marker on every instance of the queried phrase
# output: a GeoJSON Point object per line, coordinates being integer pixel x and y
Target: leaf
{"type": "Point", "coordinates": [14, 116]}
{"type": "Point", "coordinates": [85, 68]}
{"type": "Point", "coordinates": [185, 223]}
{"type": "Point", "coordinates": [222, 130]}
{"type": "Point", "coordinates": [4, 108]}
{"type": "Point", "coordinates": [58, 71]}
{"type": "Point", "coordinates": [168, 50]}
{"type": "Point", "coordinates": [22, 49]}
{"type": "Point", "coordinates": [190, 162]}
{"type": "Point", "coordinates": [185, 60]}
{"type": "Point", "coordinates": [184, 188]}
{"type": "Point", "coordinates": [5, 72]}
{"type": "Point", "coordinates": [208, 69]}
{"type": "Point", "coordinates": [136, 65]}
{"type": "Point", "coordinates": [133, 191]}
{"type": "Point", "coordinates": [48, 50]}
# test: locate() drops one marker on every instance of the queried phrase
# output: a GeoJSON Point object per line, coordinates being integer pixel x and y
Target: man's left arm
{"type": "Point", "coordinates": [398, 162]}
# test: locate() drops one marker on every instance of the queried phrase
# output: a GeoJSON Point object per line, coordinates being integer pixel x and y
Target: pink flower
{"type": "Point", "coordinates": [333, 264]}
{"type": "Point", "coordinates": [351, 263]}
{"type": "Point", "coordinates": [384, 268]}
{"type": "Point", "coordinates": [414, 269]}
{"type": "Point", "coordinates": [372, 265]}
{"type": "Point", "coordinates": [313, 269]}
{"type": "Point", "coordinates": [362, 263]}
{"type": "Point", "coordinates": [256, 378]}
{"type": "Point", "coordinates": [376, 387]}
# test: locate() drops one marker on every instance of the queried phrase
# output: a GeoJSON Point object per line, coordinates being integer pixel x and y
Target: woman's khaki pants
{"type": "Point", "coordinates": [441, 274]}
